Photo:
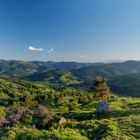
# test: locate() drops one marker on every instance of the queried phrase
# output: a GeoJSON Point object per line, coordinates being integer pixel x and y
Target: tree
{"type": "Point", "coordinates": [100, 87]}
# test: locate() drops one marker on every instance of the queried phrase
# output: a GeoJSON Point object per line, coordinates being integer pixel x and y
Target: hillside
{"type": "Point", "coordinates": [80, 70]}
{"type": "Point", "coordinates": [108, 70]}
{"type": "Point", "coordinates": [69, 74]}
{"type": "Point", "coordinates": [56, 76]}
{"type": "Point", "coordinates": [129, 84]}
{"type": "Point", "coordinates": [24, 68]}
{"type": "Point", "coordinates": [78, 75]}
{"type": "Point", "coordinates": [32, 111]}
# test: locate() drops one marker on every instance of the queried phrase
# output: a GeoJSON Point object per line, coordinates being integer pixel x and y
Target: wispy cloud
{"type": "Point", "coordinates": [31, 48]}
{"type": "Point", "coordinates": [82, 56]}
{"type": "Point", "coordinates": [51, 50]}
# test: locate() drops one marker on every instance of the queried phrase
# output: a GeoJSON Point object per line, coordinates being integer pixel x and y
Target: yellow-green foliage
{"type": "Point", "coordinates": [78, 107]}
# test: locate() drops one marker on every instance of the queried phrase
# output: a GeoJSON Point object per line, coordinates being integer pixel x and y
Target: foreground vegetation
{"type": "Point", "coordinates": [34, 112]}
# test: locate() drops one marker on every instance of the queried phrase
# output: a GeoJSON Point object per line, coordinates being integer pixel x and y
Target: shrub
{"type": "Point", "coordinates": [26, 118]}
{"type": "Point", "coordinates": [41, 112]}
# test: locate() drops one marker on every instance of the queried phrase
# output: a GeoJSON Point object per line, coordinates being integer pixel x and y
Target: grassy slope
{"type": "Point", "coordinates": [82, 122]}
{"type": "Point", "coordinates": [56, 76]}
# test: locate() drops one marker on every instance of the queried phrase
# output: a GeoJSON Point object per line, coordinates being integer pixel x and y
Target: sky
{"type": "Point", "coordinates": [70, 30]}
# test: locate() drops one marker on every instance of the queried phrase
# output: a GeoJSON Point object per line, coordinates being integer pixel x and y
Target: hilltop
{"type": "Point", "coordinates": [34, 111]}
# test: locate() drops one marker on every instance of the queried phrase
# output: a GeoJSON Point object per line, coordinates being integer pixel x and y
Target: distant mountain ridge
{"type": "Point", "coordinates": [109, 70]}
{"type": "Point", "coordinates": [24, 68]}
{"type": "Point", "coordinates": [14, 67]}
{"type": "Point", "coordinates": [83, 71]}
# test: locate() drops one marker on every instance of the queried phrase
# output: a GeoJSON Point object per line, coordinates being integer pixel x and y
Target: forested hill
{"type": "Point", "coordinates": [81, 75]}
{"type": "Point", "coordinates": [109, 70]}
{"type": "Point", "coordinates": [81, 70]}
{"type": "Point", "coordinates": [24, 68]}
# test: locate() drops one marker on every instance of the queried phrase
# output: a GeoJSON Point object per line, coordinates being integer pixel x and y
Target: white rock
{"type": "Point", "coordinates": [62, 121]}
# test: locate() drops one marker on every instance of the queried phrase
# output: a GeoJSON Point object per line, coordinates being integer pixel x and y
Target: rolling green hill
{"type": "Point", "coordinates": [108, 70]}
{"type": "Point", "coordinates": [79, 75]}
{"type": "Point", "coordinates": [118, 74]}
{"type": "Point", "coordinates": [24, 68]}
{"type": "Point", "coordinates": [32, 111]}
{"type": "Point", "coordinates": [57, 76]}
{"type": "Point", "coordinates": [81, 70]}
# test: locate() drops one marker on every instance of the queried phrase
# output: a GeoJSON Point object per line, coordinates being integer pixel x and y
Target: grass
{"type": "Point", "coordinates": [79, 109]}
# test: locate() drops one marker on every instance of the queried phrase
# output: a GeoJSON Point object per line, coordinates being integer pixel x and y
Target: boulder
{"type": "Point", "coordinates": [62, 121]}
{"type": "Point", "coordinates": [102, 107]}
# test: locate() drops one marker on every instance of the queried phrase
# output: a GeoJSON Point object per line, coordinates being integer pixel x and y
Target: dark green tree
{"type": "Point", "coordinates": [100, 87]}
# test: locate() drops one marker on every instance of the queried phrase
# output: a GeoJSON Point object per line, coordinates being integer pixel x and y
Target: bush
{"type": "Point", "coordinates": [26, 118]}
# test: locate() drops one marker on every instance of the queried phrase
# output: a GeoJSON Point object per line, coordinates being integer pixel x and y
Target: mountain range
{"type": "Point", "coordinates": [119, 75]}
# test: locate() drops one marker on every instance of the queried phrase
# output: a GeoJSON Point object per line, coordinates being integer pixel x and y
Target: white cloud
{"type": "Point", "coordinates": [31, 48]}
{"type": "Point", "coordinates": [51, 50]}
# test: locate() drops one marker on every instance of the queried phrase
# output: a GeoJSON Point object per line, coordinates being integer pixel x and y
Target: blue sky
{"type": "Point", "coordinates": [70, 30]}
